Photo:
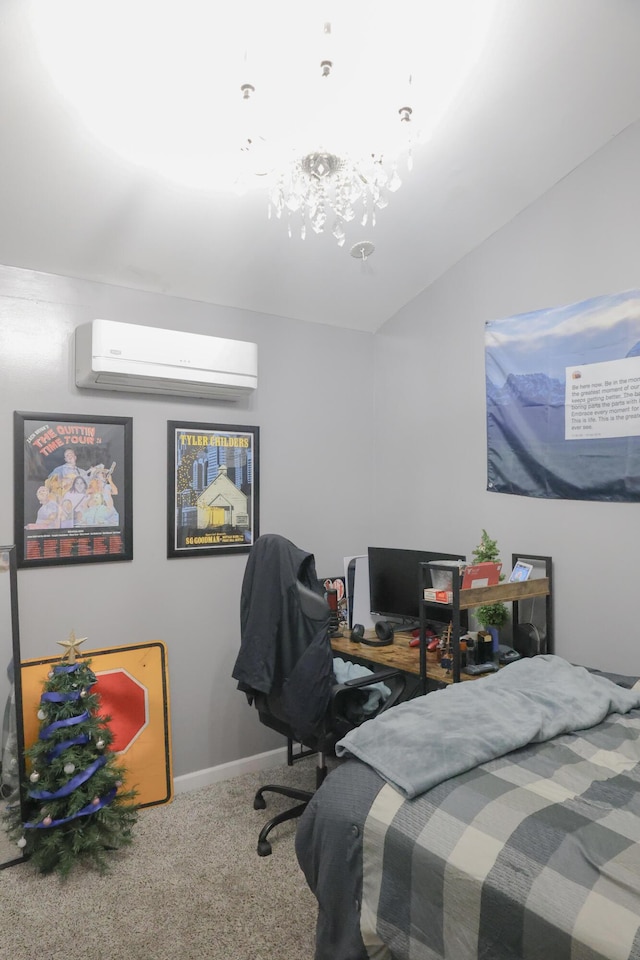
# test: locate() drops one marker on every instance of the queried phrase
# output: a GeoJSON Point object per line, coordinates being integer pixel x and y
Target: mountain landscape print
{"type": "Point", "coordinates": [563, 401]}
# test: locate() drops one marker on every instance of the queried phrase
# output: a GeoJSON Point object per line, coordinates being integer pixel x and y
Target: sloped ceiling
{"type": "Point", "coordinates": [556, 81]}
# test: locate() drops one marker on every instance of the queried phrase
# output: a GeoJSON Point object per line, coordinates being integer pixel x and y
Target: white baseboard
{"type": "Point", "coordinates": [225, 771]}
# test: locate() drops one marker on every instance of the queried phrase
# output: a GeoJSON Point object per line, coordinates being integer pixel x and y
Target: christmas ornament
{"type": "Point", "coordinates": [100, 744]}
{"type": "Point", "coordinates": [47, 821]}
{"type": "Point", "coordinates": [41, 715]}
{"type": "Point", "coordinates": [22, 842]}
{"type": "Point", "coordinates": [35, 776]}
{"type": "Point", "coordinates": [71, 645]}
{"type": "Point", "coordinates": [69, 767]}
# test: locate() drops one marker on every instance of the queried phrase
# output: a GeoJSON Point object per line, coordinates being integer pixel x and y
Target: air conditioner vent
{"type": "Point", "coordinates": [123, 356]}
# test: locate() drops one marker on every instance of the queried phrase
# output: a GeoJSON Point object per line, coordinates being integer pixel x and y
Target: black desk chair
{"type": "Point", "coordinates": [285, 664]}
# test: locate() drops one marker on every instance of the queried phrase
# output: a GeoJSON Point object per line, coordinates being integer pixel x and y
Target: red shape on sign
{"type": "Point", "coordinates": [124, 699]}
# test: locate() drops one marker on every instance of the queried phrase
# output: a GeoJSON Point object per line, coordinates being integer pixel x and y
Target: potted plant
{"type": "Point", "coordinates": [492, 616]}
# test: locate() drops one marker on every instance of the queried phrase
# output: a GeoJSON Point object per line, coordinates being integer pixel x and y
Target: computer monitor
{"type": "Point", "coordinates": [395, 582]}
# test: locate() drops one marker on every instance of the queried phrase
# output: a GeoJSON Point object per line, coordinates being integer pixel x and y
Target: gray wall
{"type": "Point", "coordinates": [420, 426]}
{"type": "Point", "coordinates": [577, 241]}
{"type": "Point", "coordinates": [315, 489]}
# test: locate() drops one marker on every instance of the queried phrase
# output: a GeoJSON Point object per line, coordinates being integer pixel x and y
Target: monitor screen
{"type": "Point", "coordinates": [394, 582]}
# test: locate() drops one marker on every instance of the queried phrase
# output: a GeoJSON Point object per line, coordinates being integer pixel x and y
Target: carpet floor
{"type": "Point", "coordinates": [190, 887]}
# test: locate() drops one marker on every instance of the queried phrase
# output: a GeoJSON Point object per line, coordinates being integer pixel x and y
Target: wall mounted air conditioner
{"type": "Point", "coordinates": [130, 357]}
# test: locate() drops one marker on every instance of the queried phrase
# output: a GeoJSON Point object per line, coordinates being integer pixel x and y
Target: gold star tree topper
{"type": "Point", "coordinates": [72, 645]}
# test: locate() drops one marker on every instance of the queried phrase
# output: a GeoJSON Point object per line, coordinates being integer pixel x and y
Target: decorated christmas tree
{"type": "Point", "coordinates": [76, 806]}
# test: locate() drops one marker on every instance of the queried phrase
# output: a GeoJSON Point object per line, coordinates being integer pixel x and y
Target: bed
{"type": "Point", "coordinates": [510, 833]}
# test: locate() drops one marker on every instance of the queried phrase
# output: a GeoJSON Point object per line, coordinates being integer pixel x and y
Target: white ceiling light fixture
{"type": "Point", "coordinates": [362, 250]}
{"type": "Point", "coordinates": [321, 104]}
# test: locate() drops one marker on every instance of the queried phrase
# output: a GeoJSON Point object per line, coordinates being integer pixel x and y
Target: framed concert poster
{"type": "Point", "coordinates": [212, 489]}
{"type": "Point", "coordinates": [73, 489]}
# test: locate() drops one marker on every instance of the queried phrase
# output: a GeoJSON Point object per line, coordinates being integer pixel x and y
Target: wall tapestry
{"type": "Point", "coordinates": [213, 504]}
{"type": "Point", "coordinates": [563, 401]}
{"type": "Point", "coordinates": [73, 491]}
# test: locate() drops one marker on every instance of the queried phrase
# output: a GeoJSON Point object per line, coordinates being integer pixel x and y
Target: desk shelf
{"type": "Point", "coordinates": [462, 600]}
{"type": "Point", "coordinates": [501, 593]}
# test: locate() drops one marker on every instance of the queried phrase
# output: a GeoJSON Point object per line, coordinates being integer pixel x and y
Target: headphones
{"type": "Point", "coordinates": [384, 633]}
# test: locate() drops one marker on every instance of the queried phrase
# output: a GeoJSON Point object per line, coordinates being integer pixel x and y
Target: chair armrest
{"type": "Point", "coordinates": [340, 691]}
{"type": "Point", "coordinates": [397, 688]}
{"type": "Point", "coordinates": [378, 677]}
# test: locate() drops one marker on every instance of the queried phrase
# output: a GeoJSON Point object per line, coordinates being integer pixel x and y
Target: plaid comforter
{"type": "Point", "coordinates": [534, 856]}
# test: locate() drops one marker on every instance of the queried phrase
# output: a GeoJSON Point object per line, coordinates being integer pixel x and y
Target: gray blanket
{"type": "Point", "coordinates": [469, 723]}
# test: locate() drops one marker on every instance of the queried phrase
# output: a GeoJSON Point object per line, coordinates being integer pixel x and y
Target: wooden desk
{"type": "Point", "coordinates": [397, 655]}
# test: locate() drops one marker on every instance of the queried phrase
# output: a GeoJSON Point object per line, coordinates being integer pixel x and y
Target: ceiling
{"type": "Point", "coordinates": [557, 79]}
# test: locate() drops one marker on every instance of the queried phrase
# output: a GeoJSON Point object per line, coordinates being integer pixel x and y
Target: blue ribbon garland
{"type": "Point", "coordinates": [58, 724]}
{"type": "Point", "coordinates": [67, 668]}
{"type": "Point", "coordinates": [90, 808]}
{"type": "Point", "coordinates": [65, 697]}
{"type": "Point", "coordinates": [81, 738]}
{"type": "Point", "coordinates": [60, 697]}
{"type": "Point", "coordinates": [71, 785]}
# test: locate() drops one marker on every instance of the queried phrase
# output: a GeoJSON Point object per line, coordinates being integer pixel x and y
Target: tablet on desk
{"type": "Point", "coordinates": [521, 571]}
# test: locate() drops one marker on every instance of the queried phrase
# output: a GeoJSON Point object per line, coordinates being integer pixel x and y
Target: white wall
{"type": "Point", "coordinates": [315, 485]}
{"type": "Point", "coordinates": [578, 241]}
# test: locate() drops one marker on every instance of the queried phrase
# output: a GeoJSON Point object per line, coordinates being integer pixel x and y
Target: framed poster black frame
{"type": "Point", "coordinates": [213, 485]}
{"type": "Point", "coordinates": [79, 469]}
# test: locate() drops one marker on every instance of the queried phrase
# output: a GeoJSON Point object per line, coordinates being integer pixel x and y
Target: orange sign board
{"type": "Point", "coordinates": [133, 687]}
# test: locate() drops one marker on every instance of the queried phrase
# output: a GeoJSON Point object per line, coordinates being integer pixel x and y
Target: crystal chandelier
{"type": "Point", "coordinates": [318, 105]}
{"type": "Point", "coordinates": [327, 190]}
{"type": "Point", "coordinates": [323, 187]}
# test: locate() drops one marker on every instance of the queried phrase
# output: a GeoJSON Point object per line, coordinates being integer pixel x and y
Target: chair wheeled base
{"type": "Point", "coordinates": [259, 803]}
